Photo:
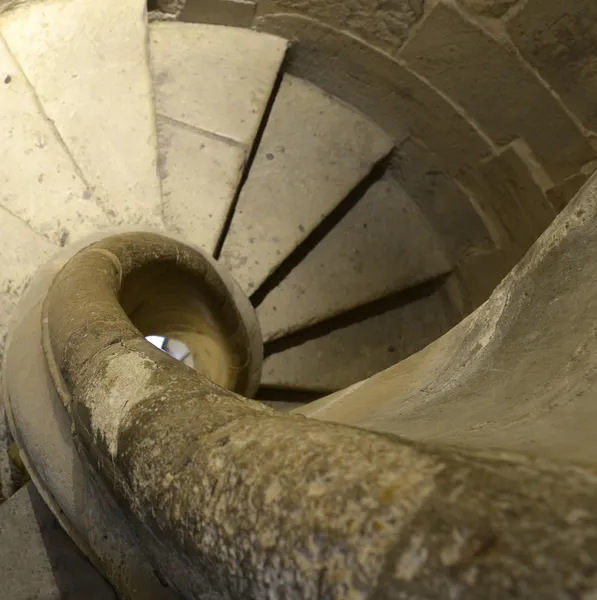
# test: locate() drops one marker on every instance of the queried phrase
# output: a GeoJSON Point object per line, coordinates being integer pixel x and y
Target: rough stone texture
{"type": "Point", "coordinates": [313, 152]}
{"type": "Point", "coordinates": [40, 183]}
{"type": "Point", "coordinates": [382, 246]}
{"type": "Point", "coordinates": [558, 39]}
{"type": "Point", "coordinates": [497, 89]}
{"type": "Point", "coordinates": [99, 100]}
{"type": "Point", "coordinates": [559, 195]}
{"type": "Point", "coordinates": [349, 354]}
{"type": "Point", "coordinates": [384, 24]}
{"type": "Point", "coordinates": [506, 191]}
{"type": "Point", "coordinates": [200, 175]}
{"type": "Point", "coordinates": [213, 78]}
{"type": "Point", "coordinates": [387, 92]}
{"type": "Point", "coordinates": [489, 8]}
{"type": "Point", "coordinates": [38, 560]}
{"type": "Point", "coordinates": [236, 13]}
{"type": "Point", "coordinates": [445, 204]}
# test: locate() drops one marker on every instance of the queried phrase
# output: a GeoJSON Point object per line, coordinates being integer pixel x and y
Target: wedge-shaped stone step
{"type": "Point", "coordinates": [40, 183]}
{"type": "Point", "coordinates": [212, 85]}
{"type": "Point", "coordinates": [87, 62]}
{"type": "Point", "coordinates": [350, 354]}
{"type": "Point", "coordinates": [383, 245]}
{"type": "Point", "coordinates": [313, 152]}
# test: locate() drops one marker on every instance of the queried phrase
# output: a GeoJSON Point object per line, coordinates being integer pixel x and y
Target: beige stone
{"type": "Point", "coordinates": [497, 89]}
{"type": "Point", "coordinates": [200, 175]}
{"type": "Point", "coordinates": [313, 152]}
{"type": "Point", "coordinates": [87, 62]}
{"type": "Point", "coordinates": [558, 39]}
{"type": "Point", "coordinates": [237, 13]}
{"type": "Point", "coordinates": [443, 201]}
{"type": "Point", "coordinates": [490, 8]}
{"type": "Point", "coordinates": [507, 192]}
{"type": "Point", "coordinates": [399, 101]}
{"type": "Point", "coordinates": [384, 24]}
{"type": "Point", "coordinates": [382, 246]}
{"type": "Point", "coordinates": [214, 78]}
{"type": "Point", "coordinates": [349, 354]}
{"type": "Point", "coordinates": [40, 184]}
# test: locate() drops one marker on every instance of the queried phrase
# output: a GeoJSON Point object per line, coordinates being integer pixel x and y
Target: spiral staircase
{"type": "Point", "coordinates": [355, 246]}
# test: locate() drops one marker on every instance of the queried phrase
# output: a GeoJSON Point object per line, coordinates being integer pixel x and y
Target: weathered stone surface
{"type": "Point", "coordinates": [214, 78]}
{"type": "Point", "coordinates": [313, 152]}
{"type": "Point", "coordinates": [497, 89]}
{"type": "Point", "coordinates": [386, 25]}
{"type": "Point", "coordinates": [200, 175]}
{"type": "Point", "coordinates": [507, 192]}
{"type": "Point", "coordinates": [387, 92]}
{"type": "Point", "coordinates": [443, 201]}
{"type": "Point", "coordinates": [558, 39]}
{"type": "Point", "coordinates": [38, 560]}
{"type": "Point", "coordinates": [352, 353]}
{"type": "Point", "coordinates": [94, 84]}
{"type": "Point", "coordinates": [490, 8]}
{"type": "Point", "coordinates": [236, 13]}
{"type": "Point", "coordinates": [559, 195]}
{"type": "Point", "coordinates": [382, 246]}
{"type": "Point", "coordinates": [39, 181]}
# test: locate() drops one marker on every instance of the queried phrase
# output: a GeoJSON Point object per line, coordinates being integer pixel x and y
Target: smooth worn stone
{"type": "Point", "coordinates": [507, 192]}
{"type": "Point", "coordinates": [218, 79]}
{"type": "Point", "coordinates": [40, 184]}
{"type": "Point", "coordinates": [558, 39]}
{"type": "Point", "coordinates": [447, 206]}
{"type": "Point", "coordinates": [383, 245]}
{"type": "Point", "coordinates": [22, 250]}
{"type": "Point", "coordinates": [389, 93]}
{"type": "Point", "coordinates": [200, 175]}
{"type": "Point", "coordinates": [87, 62]}
{"type": "Point", "coordinates": [497, 89]}
{"type": "Point", "coordinates": [299, 175]}
{"type": "Point", "coordinates": [38, 560]}
{"type": "Point", "coordinates": [236, 13]}
{"type": "Point", "coordinates": [385, 25]}
{"type": "Point", "coordinates": [349, 354]}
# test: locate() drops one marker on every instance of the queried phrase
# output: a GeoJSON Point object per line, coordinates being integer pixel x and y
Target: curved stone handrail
{"type": "Point", "coordinates": [232, 500]}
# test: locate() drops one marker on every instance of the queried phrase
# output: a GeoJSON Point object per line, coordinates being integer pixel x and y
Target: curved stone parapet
{"type": "Point", "coordinates": [221, 497]}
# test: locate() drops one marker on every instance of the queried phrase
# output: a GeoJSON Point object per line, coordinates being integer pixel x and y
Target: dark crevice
{"type": "Point", "coordinates": [322, 229]}
{"type": "Point", "coordinates": [276, 394]}
{"type": "Point", "coordinates": [356, 315]}
{"type": "Point", "coordinates": [250, 159]}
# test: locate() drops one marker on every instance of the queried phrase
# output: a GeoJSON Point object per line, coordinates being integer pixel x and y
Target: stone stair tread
{"type": "Point", "coordinates": [38, 559]}
{"type": "Point", "coordinates": [383, 245]}
{"type": "Point", "coordinates": [22, 250]}
{"type": "Point", "coordinates": [313, 152]}
{"type": "Point", "coordinates": [200, 175]}
{"type": "Point", "coordinates": [87, 62]}
{"type": "Point", "coordinates": [344, 356]}
{"type": "Point", "coordinates": [215, 78]}
{"type": "Point", "coordinates": [40, 182]}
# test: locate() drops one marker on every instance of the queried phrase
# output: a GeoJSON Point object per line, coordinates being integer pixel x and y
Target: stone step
{"type": "Point", "coordinates": [382, 246]}
{"type": "Point", "coordinates": [352, 353]}
{"type": "Point", "coordinates": [38, 560]}
{"type": "Point", "coordinates": [212, 86]}
{"type": "Point", "coordinates": [313, 152]}
{"type": "Point", "coordinates": [87, 62]}
{"type": "Point", "coordinates": [40, 182]}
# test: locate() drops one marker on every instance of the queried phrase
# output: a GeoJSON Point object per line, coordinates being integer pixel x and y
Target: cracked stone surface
{"type": "Point", "coordinates": [94, 84]}
{"type": "Point", "coordinates": [299, 175]}
{"type": "Point", "coordinates": [218, 79]}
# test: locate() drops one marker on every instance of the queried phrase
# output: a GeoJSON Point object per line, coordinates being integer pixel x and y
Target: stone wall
{"type": "Point", "coordinates": [491, 103]}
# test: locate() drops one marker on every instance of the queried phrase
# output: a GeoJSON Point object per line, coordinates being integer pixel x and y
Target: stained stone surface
{"type": "Point", "coordinates": [94, 84]}
{"type": "Point", "coordinates": [313, 152]}
{"type": "Point", "coordinates": [382, 246]}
